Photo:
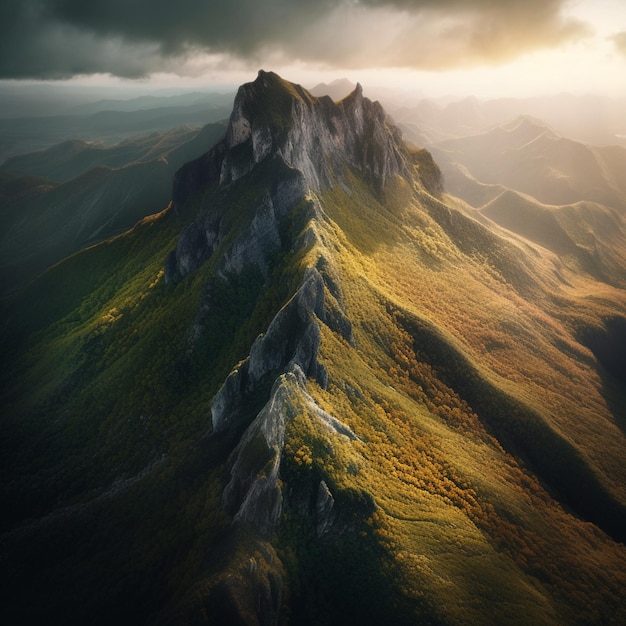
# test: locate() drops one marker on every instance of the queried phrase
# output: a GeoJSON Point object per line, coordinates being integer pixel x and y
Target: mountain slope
{"type": "Point", "coordinates": [107, 191]}
{"type": "Point", "coordinates": [73, 158]}
{"type": "Point", "coordinates": [588, 119]}
{"type": "Point", "coordinates": [22, 135]}
{"type": "Point", "coordinates": [316, 390]}
{"type": "Point", "coordinates": [590, 235]}
{"type": "Point", "coordinates": [526, 156]}
{"type": "Point", "coordinates": [337, 90]}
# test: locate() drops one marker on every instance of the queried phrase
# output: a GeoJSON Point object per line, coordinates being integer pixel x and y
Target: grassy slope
{"type": "Point", "coordinates": [107, 485]}
{"type": "Point", "coordinates": [526, 156]}
{"type": "Point", "coordinates": [469, 530]}
{"type": "Point", "coordinates": [588, 237]}
{"type": "Point", "coordinates": [70, 159]}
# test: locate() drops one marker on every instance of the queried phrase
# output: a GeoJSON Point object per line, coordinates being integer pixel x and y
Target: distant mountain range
{"type": "Point", "coordinates": [592, 120]}
{"type": "Point", "coordinates": [337, 90]}
{"type": "Point", "coordinates": [75, 194]}
{"type": "Point", "coordinates": [22, 135]}
{"type": "Point", "coordinates": [202, 100]}
{"type": "Point", "coordinates": [525, 155]}
{"type": "Point", "coordinates": [318, 388]}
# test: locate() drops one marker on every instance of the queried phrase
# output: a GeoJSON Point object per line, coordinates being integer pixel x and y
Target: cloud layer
{"type": "Point", "coordinates": [62, 38]}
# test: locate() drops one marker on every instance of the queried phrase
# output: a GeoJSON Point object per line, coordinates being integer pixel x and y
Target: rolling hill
{"type": "Point", "coordinates": [526, 156]}
{"type": "Point", "coordinates": [317, 389]}
{"type": "Point", "coordinates": [588, 234]}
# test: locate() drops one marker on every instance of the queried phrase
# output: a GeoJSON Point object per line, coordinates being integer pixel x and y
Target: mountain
{"type": "Point", "coordinates": [337, 89]}
{"type": "Point", "coordinates": [23, 135]}
{"type": "Point", "coordinates": [101, 192]}
{"type": "Point", "coordinates": [593, 120]}
{"type": "Point", "coordinates": [588, 235]}
{"type": "Point", "coordinates": [317, 389]}
{"type": "Point", "coordinates": [148, 102]}
{"type": "Point", "coordinates": [72, 158]}
{"type": "Point", "coordinates": [428, 122]}
{"type": "Point", "coordinates": [525, 155]}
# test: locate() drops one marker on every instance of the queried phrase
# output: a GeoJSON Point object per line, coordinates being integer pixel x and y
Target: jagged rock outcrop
{"type": "Point", "coordinates": [313, 135]}
{"type": "Point", "coordinates": [292, 339]}
{"type": "Point", "coordinates": [259, 237]}
{"type": "Point", "coordinates": [305, 144]}
{"type": "Point", "coordinates": [253, 494]}
{"type": "Point", "coordinates": [324, 514]}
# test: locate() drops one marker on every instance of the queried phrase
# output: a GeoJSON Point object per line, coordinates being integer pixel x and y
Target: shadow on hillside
{"type": "Point", "coordinates": [614, 393]}
{"type": "Point", "coordinates": [522, 431]}
{"type": "Point", "coordinates": [609, 347]}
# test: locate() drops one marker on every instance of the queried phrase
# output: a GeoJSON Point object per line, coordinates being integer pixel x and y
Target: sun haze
{"type": "Point", "coordinates": [482, 47]}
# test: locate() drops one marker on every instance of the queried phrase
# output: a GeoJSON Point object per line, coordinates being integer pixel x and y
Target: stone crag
{"type": "Point", "coordinates": [304, 144]}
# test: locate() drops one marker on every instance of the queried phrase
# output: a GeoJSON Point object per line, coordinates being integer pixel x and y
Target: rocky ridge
{"type": "Point", "coordinates": [256, 208]}
{"type": "Point", "coordinates": [296, 145]}
{"type": "Point", "coordinates": [303, 144]}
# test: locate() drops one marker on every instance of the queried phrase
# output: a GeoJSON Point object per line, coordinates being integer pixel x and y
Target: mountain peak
{"type": "Point", "coordinates": [318, 137]}
{"type": "Point", "coordinates": [303, 143]}
{"type": "Point", "coordinates": [526, 126]}
{"type": "Point", "coordinates": [337, 89]}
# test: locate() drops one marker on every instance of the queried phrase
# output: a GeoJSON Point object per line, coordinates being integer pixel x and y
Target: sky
{"type": "Point", "coordinates": [487, 48]}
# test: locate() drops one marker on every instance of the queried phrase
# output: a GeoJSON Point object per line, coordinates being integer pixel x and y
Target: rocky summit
{"type": "Point", "coordinates": [318, 389]}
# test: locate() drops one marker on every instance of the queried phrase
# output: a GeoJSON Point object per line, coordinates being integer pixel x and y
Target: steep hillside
{"type": "Point", "coordinates": [590, 236]}
{"type": "Point", "coordinates": [315, 390]}
{"type": "Point", "coordinates": [108, 190]}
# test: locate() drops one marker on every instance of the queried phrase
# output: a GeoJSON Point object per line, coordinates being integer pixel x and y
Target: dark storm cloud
{"type": "Point", "coordinates": [57, 38]}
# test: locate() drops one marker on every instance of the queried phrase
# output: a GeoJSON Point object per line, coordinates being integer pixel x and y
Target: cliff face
{"type": "Point", "coordinates": [313, 135]}
{"type": "Point", "coordinates": [304, 144]}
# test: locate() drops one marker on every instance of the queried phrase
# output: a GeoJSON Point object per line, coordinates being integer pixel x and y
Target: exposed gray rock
{"type": "Point", "coordinates": [320, 133]}
{"type": "Point", "coordinates": [251, 597]}
{"type": "Point", "coordinates": [291, 339]}
{"type": "Point", "coordinates": [259, 240]}
{"type": "Point", "coordinates": [309, 140]}
{"type": "Point", "coordinates": [253, 494]}
{"type": "Point", "coordinates": [195, 245]}
{"type": "Point", "coordinates": [324, 513]}
{"type": "Point", "coordinates": [328, 420]}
